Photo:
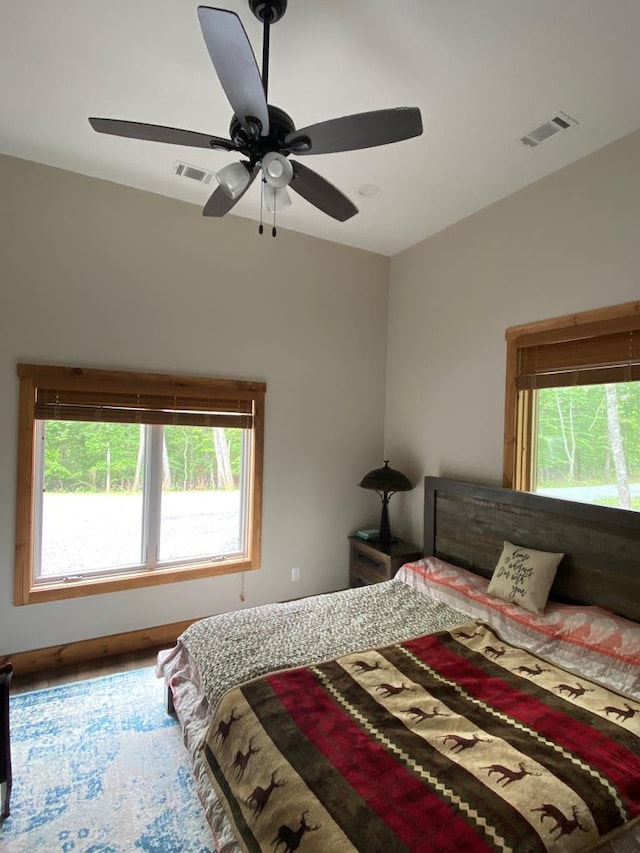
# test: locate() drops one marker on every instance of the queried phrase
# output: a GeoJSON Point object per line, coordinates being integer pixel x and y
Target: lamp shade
{"type": "Point", "coordinates": [276, 169]}
{"type": "Point", "coordinates": [385, 481]}
{"type": "Point", "coordinates": [233, 179]}
{"type": "Point", "coordinates": [276, 198]}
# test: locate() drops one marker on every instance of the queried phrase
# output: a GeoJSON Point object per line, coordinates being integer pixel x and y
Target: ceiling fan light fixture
{"type": "Point", "coordinates": [277, 170]}
{"type": "Point", "coordinates": [233, 179]}
{"type": "Point", "coordinates": [276, 198]}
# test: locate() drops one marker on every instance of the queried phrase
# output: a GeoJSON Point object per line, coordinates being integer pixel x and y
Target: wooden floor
{"type": "Point", "coordinates": [81, 671]}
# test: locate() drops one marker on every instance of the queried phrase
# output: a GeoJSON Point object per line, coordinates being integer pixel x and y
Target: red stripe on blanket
{"type": "Point", "coordinates": [416, 814]}
{"type": "Point", "coordinates": [613, 760]}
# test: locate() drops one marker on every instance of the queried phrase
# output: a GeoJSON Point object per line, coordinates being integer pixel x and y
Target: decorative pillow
{"type": "Point", "coordinates": [524, 576]}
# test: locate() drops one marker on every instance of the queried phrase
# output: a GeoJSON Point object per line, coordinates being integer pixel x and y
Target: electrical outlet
{"type": "Point", "coordinates": [295, 574]}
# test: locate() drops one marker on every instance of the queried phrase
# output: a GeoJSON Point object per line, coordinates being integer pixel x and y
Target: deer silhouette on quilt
{"type": "Point", "coordinates": [259, 797]}
{"type": "Point", "coordinates": [224, 727]}
{"type": "Point", "coordinates": [562, 825]}
{"type": "Point", "coordinates": [493, 652]}
{"type": "Point", "coordinates": [506, 775]}
{"type": "Point", "coordinates": [291, 838]}
{"type": "Point", "coordinates": [421, 715]}
{"type": "Point", "coordinates": [528, 670]}
{"type": "Point", "coordinates": [363, 666]}
{"type": "Point", "coordinates": [242, 759]}
{"type": "Point", "coordinates": [388, 690]}
{"type": "Point", "coordinates": [621, 714]}
{"type": "Point", "coordinates": [573, 692]}
{"type": "Point", "coordinates": [460, 742]}
{"type": "Point", "coordinates": [462, 635]}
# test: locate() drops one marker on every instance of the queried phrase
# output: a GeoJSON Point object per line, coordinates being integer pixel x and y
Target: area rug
{"type": "Point", "coordinates": [99, 767]}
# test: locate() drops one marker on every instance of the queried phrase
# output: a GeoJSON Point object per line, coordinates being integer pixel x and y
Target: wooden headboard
{"type": "Point", "coordinates": [466, 524]}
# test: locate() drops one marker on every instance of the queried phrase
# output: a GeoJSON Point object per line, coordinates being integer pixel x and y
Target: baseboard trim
{"type": "Point", "coordinates": [86, 650]}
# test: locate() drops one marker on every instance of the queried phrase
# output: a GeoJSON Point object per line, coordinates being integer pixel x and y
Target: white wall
{"type": "Point", "coordinates": [98, 275]}
{"type": "Point", "coordinates": [568, 243]}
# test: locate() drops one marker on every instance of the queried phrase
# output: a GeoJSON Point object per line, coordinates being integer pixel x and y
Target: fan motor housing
{"type": "Point", "coordinates": [280, 124]}
{"type": "Point", "coordinates": [268, 11]}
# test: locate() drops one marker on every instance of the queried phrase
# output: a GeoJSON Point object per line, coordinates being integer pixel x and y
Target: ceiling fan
{"type": "Point", "coordinates": [264, 134]}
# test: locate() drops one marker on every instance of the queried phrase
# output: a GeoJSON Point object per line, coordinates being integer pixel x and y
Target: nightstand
{"type": "Point", "coordinates": [371, 563]}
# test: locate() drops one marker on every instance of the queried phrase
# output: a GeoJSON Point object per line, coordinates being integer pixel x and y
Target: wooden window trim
{"type": "Point", "coordinates": [188, 388]}
{"type": "Point", "coordinates": [617, 321]}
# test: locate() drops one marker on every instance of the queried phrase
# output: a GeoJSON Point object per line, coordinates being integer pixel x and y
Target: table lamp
{"type": "Point", "coordinates": [385, 481]}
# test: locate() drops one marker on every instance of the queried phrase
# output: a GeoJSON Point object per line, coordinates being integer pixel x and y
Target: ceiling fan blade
{"type": "Point", "coordinates": [219, 202]}
{"type": "Point", "coordinates": [363, 130]}
{"type": "Point", "coordinates": [235, 65]}
{"type": "Point", "coordinates": [319, 192]}
{"type": "Point", "coordinates": [158, 133]}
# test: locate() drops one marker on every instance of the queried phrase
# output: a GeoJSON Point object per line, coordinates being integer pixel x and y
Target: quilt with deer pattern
{"type": "Point", "coordinates": [450, 741]}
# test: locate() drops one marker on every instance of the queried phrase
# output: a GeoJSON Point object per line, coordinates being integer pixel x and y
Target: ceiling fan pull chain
{"type": "Point", "coordinates": [261, 226]}
{"type": "Point", "coordinates": [274, 230]}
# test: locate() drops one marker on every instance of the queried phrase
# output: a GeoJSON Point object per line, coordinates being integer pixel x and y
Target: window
{"type": "Point", "coordinates": [572, 414]}
{"type": "Point", "coordinates": [133, 479]}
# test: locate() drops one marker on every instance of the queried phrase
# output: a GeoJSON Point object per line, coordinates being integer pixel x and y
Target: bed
{"type": "Point", "coordinates": [425, 713]}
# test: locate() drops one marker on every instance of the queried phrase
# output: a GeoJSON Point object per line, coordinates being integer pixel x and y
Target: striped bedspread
{"type": "Point", "coordinates": [450, 741]}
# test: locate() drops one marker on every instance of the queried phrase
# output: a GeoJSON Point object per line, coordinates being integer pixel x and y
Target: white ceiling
{"type": "Point", "coordinates": [483, 73]}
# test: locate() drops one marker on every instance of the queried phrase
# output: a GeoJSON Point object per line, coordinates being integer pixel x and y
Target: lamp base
{"type": "Point", "coordinates": [385, 537]}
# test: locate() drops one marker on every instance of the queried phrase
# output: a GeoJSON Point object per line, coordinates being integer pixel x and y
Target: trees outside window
{"type": "Point", "coordinates": [129, 479]}
{"type": "Point", "coordinates": [588, 443]}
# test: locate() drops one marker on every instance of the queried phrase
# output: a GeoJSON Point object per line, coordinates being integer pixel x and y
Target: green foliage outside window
{"type": "Point", "coordinates": [99, 457]}
{"type": "Point", "coordinates": [575, 443]}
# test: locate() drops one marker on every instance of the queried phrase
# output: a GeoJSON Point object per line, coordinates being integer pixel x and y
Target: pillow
{"type": "Point", "coordinates": [524, 576]}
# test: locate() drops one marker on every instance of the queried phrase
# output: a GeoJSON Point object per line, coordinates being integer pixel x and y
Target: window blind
{"type": "Point", "coordinates": [593, 360]}
{"type": "Point", "coordinates": [76, 394]}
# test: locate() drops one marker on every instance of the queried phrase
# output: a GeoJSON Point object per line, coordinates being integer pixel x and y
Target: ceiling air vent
{"type": "Point", "coordinates": [184, 170]}
{"type": "Point", "coordinates": [561, 121]}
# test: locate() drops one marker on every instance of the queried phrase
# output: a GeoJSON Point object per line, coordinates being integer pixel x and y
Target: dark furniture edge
{"type": "Point", "coordinates": [6, 671]}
